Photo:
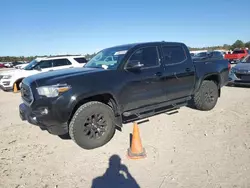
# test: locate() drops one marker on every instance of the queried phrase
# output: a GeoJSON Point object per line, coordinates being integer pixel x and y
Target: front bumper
{"type": "Point", "coordinates": [4, 88]}
{"type": "Point", "coordinates": [6, 85]}
{"type": "Point", "coordinates": [44, 121]}
{"type": "Point", "coordinates": [238, 83]}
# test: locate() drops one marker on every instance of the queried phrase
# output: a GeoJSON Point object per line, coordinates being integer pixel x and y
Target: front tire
{"type": "Point", "coordinates": [206, 97]}
{"type": "Point", "coordinates": [92, 125]}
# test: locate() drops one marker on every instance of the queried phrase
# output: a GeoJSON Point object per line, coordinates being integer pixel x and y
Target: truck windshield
{"type": "Point", "coordinates": [30, 65]}
{"type": "Point", "coordinates": [108, 58]}
{"type": "Point", "coordinates": [246, 59]}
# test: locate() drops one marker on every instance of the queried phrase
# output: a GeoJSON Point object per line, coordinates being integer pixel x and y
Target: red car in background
{"type": "Point", "coordinates": [236, 56]}
{"type": "Point", "coordinates": [2, 65]}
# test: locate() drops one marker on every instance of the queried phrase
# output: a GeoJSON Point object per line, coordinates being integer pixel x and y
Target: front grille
{"type": "Point", "coordinates": [26, 94]}
{"type": "Point", "coordinates": [238, 75]}
{"type": "Point", "coordinates": [243, 76]}
{"type": "Point", "coordinates": [6, 83]}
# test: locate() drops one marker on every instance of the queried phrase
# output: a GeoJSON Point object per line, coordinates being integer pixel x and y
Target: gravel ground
{"type": "Point", "coordinates": [187, 149]}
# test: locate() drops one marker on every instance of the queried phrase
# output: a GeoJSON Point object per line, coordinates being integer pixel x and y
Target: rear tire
{"type": "Point", "coordinates": [206, 97]}
{"type": "Point", "coordinates": [92, 125]}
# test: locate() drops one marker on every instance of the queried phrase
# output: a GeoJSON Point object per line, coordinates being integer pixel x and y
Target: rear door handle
{"type": "Point", "coordinates": [188, 69]}
{"type": "Point", "coordinates": [159, 74]}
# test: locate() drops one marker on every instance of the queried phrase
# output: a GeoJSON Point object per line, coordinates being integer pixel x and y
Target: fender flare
{"type": "Point", "coordinates": [78, 100]}
{"type": "Point", "coordinates": [206, 76]}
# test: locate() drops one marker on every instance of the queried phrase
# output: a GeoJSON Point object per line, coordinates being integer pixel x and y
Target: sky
{"type": "Point", "coordinates": [52, 27]}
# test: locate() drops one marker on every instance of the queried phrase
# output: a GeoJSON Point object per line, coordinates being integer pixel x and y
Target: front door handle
{"type": "Point", "coordinates": [188, 69]}
{"type": "Point", "coordinates": [159, 74]}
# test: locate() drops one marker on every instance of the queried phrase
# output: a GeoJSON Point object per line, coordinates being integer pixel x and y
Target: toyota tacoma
{"type": "Point", "coordinates": [118, 85]}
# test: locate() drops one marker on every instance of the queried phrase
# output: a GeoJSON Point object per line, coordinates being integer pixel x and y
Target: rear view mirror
{"type": "Point", "coordinates": [134, 65]}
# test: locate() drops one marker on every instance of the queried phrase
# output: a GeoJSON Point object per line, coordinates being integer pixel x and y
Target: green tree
{"type": "Point", "coordinates": [247, 45]}
{"type": "Point", "coordinates": [238, 44]}
{"type": "Point", "coordinates": [89, 56]}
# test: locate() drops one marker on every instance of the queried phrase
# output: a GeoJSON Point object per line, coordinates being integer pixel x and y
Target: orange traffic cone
{"type": "Point", "coordinates": [15, 88]}
{"type": "Point", "coordinates": [136, 151]}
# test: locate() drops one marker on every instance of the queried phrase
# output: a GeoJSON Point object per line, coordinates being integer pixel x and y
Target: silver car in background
{"type": "Point", "coordinates": [240, 73]}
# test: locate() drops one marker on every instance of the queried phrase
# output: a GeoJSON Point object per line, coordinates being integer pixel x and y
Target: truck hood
{"type": "Point", "coordinates": [61, 74]}
{"type": "Point", "coordinates": [19, 73]}
{"type": "Point", "coordinates": [242, 66]}
{"type": "Point", "coordinates": [11, 72]}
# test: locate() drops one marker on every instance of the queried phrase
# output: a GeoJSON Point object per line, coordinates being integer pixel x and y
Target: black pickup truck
{"type": "Point", "coordinates": [120, 84]}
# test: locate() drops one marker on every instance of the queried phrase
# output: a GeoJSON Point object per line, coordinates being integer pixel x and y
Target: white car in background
{"type": "Point", "coordinates": [9, 78]}
{"type": "Point", "coordinates": [21, 66]}
{"type": "Point", "coordinates": [194, 52]}
{"type": "Point", "coordinates": [7, 65]}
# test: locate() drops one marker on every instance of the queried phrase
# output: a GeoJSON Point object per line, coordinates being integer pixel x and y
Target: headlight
{"type": "Point", "coordinates": [7, 76]}
{"type": "Point", "coordinates": [53, 91]}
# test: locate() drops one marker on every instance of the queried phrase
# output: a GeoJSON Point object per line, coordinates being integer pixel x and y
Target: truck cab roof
{"type": "Point", "coordinates": [147, 44]}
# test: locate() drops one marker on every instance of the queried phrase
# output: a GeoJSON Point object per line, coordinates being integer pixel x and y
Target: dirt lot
{"type": "Point", "coordinates": [187, 149]}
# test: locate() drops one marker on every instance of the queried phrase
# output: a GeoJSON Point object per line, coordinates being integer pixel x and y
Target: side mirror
{"type": "Point", "coordinates": [134, 65]}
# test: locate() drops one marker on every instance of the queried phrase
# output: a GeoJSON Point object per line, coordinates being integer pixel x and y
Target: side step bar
{"type": "Point", "coordinates": [146, 114]}
{"type": "Point", "coordinates": [169, 104]}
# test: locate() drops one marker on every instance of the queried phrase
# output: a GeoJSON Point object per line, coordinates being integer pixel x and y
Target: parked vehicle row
{"type": "Point", "coordinates": [208, 55]}
{"type": "Point", "coordinates": [237, 55]}
{"type": "Point", "coordinates": [2, 65]}
{"type": "Point", "coordinates": [233, 57]}
{"type": "Point", "coordinates": [9, 78]}
{"type": "Point", "coordinates": [119, 85]}
{"type": "Point", "coordinates": [21, 66]}
{"type": "Point", "coordinates": [14, 64]}
{"type": "Point", "coordinates": [198, 53]}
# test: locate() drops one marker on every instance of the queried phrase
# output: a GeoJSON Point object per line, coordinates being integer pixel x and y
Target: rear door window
{"type": "Point", "coordinates": [81, 60]}
{"type": "Point", "coordinates": [61, 62]}
{"type": "Point", "coordinates": [173, 54]}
